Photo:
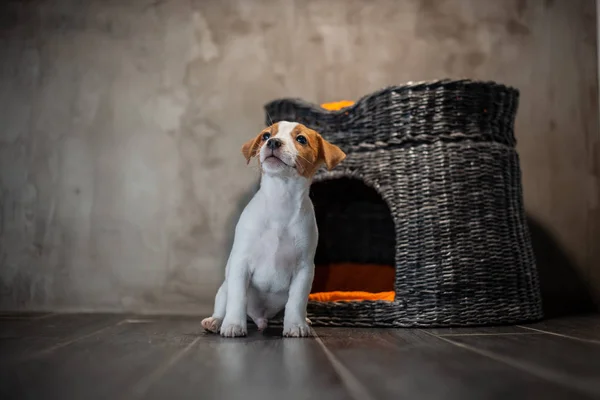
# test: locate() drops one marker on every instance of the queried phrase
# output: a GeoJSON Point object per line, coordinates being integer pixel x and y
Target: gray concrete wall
{"type": "Point", "coordinates": [121, 124]}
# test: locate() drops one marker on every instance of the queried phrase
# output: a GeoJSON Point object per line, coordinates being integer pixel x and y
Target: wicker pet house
{"type": "Point", "coordinates": [423, 223]}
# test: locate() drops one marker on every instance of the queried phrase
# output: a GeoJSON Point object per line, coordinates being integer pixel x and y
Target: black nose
{"type": "Point", "coordinates": [274, 143]}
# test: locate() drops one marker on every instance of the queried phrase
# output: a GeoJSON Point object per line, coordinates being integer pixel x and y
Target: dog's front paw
{"type": "Point", "coordinates": [211, 324]}
{"type": "Point", "coordinates": [233, 330]}
{"type": "Point", "coordinates": [296, 329]}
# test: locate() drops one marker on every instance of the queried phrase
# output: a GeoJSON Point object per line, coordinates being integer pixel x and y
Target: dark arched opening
{"type": "Point", "coordinates": [355, 256]}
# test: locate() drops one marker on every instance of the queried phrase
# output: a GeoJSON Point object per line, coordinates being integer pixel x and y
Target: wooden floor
{"type": "Point", "coordinates": [50, 356]}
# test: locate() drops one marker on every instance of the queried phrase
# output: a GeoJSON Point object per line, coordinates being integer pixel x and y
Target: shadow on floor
{"type": "Point", "coordinates": [564, 291]}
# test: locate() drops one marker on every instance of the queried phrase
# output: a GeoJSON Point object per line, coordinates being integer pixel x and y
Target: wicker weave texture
{"type": "Point", "coordinates": [442, 156]}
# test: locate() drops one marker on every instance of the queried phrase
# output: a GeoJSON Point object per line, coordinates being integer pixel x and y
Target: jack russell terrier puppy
{"type": "Point", "coordinates": [271, 264]}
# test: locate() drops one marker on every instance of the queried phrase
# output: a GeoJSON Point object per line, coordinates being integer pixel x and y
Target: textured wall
{"type": "Point", "coordinates": [121, 123]}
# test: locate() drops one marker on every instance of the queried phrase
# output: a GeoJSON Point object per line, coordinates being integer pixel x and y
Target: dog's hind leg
{"type": "Point", "coordinates": [256, 311]}
{"type": "Point", "coordinates": [261, 323]}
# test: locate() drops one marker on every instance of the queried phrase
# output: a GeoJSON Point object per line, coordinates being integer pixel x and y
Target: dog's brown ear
{"type": "Point", "coordinates": [250, 148]}
{"type": "Point", "coordinates": [330, 153]}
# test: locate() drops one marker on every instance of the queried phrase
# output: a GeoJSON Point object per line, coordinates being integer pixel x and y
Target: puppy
{"type": "Point", "coordinates": [271, 264]}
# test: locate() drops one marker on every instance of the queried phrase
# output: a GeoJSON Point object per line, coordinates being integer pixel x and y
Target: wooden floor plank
{"type": "Point", "coordinates": [586, 328]}
{"type": "Point", "coordinates": [493, 330]}
{"type": "Point", "coordinates": [56, 326]}
{"type": "Point", "coordinates": [261, 366]}
{"type": "Point", "coordinates": [23, 339]}
{"type": "Point", "coordinates": [413, 364]}
{"type": "Point", "coordinates": [568, 362]}
{"type": "Point", "coordinates": [23, 315]}
{"type": "Point", "coordinates": [103, 366]}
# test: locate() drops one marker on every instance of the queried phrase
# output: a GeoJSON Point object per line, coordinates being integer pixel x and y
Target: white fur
{"type": "Point", "coordinates": [271, 265]}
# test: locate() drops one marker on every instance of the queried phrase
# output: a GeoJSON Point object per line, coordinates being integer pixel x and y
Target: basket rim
{"type": "Point", "coordinates": [410, 85]}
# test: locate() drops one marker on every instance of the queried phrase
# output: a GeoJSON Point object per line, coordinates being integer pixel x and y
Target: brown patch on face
{"type": "Point", "coordinates": [314, 151]}
{"type": "Point", "coordinates": [250, 148]}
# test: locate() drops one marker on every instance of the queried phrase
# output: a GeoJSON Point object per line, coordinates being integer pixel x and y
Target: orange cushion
{"type": "Point", "coordinates": [337, 105]}
{"type": "Point", "coordinates": [353, 277]}
{"type": "Point", "coordinates": [351, 296]}
{"type": "Point", "coordinates": [353, 282]}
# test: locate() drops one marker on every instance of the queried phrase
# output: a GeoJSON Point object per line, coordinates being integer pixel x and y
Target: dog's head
{"type": "Point", "coordinates": [289, 148]}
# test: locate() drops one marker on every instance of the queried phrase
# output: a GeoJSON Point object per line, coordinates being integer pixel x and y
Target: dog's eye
{"type": "Point", "coordinates": [301, 139]}
{"type": "Point", "coordinates": [266, 136]}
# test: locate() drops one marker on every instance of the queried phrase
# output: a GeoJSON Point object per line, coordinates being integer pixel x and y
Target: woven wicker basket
{"type": "Point", "coordinates": [442, 157]}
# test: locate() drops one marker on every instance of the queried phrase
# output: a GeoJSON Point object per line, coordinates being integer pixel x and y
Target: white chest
{"type": "Point", "coordinates": [273, 259]}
